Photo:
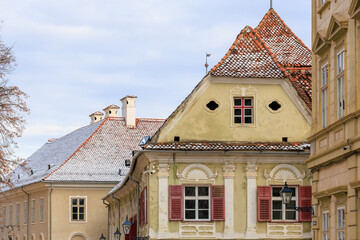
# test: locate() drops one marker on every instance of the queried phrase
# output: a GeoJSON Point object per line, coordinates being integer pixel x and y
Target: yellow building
{"type": "Point", "coordinates": [335, 131]}
{"type": "Point", "coordinates": [215, 168]}
{"type": "Point", "coordinates": [57, 194]}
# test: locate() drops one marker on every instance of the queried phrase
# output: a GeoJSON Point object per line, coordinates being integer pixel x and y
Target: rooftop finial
{"type": "Point", "coordinates": [206, 64]}
{"type": "Point", "coordinates": [270, 4]}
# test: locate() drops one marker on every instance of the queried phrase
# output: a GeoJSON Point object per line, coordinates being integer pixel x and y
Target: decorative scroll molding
{"type": "Point", "coordinates": [196, 173]}
{"type": "Point", "coordinates": [229, 170]}
{"type": "Point", "coordinates": [243, 91]}
{"type": "Point", "coordinates": [284, 172]}
{"type": "Point", "coordinates": [251, 170]}
{"type": "Point", "coordinates": [163, 170]}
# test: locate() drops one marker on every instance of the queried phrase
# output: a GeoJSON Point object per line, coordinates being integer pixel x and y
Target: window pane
{"type": "Point", "coordinates": [203, 191]}
{"type": "Point", "coordinates": [291, 205]}
{"type": "Point", "coordinates": [203, 204]}
{"type": "Point", "coordinates": [74, 217]}
{"type": "Point", "coordinates": [189, 204]}
{"type": "Point", "coordinates": [293, 192]}
{"type": "Point", "coordinates": [290, 215]}
{"type": "Point", "coordinates": [75, 209]}
{"type": "Point", "coordinates": [248, 119]}
{"type": "Point", "coordinates": [277, 205]}
{"type": "Point", "coordinates": [237, 112]}
{"type": "Point", "coordinates": [81, 201]}
{"type": "Point", "coordinates": [277, 215]}
{"type": "Point", "coordinates": [237, 102]}
{"type": "Point", "coordinates": [189, 191]}
{"type": "Point", "coordinates": [74, 201]}
{"type": "Point", "coordinates": [276, 191]}
{"type": "Point", "coordinates": [248, 112]}
{"type": "Point", "coordinates": [248, 102]}
{"type": "Point", "coordinates": [190, 214]}
{"type": "Point", "coordinates": [203, 214]}
{"type": "Point", "coordinates": [81, 216]}
{"type": "Point", "coordinates": [237, 119]}
{"type": "Point", "coordinates": [81, 210]}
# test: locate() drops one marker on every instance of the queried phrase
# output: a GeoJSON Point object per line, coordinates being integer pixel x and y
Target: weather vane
{"type": "Point", "coordinates": [206, 64]}
{"type": "Point", "coordinates": [270, 4]}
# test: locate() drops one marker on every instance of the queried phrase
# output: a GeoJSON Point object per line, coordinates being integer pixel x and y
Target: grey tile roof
{"type": "Point", "coordinates": [94, 153]}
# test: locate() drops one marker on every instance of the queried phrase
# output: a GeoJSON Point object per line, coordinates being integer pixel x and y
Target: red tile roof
{"type": "Point", "coordinates": [272, 50]}
{"type": "Point", "coordinates": [242, 146]}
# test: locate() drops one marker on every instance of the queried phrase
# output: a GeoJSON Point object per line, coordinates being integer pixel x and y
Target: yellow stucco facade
{"type": "Point", "coordinates": [335, 132]}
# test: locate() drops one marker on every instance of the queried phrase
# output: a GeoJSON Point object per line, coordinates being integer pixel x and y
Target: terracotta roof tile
{"type": "Point", "coordinates": [242, 146]}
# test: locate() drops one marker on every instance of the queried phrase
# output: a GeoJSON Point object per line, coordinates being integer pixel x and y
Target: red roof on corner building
{"type": "Point", "coordinates": [272, 50]}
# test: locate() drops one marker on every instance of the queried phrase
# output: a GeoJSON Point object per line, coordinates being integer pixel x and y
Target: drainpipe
{"type": "Point", "coordinates": [137, 198]}
{"type": "Point", "coordinates": [112, 195]}
{"type": "Point", "coordinates": [50, 214]}
{"type": "Point", "coordinates": [28, 215]}
{"type": "Point", "coordinates": [108, 227]}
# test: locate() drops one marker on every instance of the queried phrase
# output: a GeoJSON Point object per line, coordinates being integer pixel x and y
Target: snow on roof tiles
{"type": "Point", "coordinates": [90, 154]}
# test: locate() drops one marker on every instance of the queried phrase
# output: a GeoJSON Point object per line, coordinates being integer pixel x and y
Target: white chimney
{"type": "Point", "coordinates": [128, 110]}
{"type": "Point", "coordinates": [111, 111]}
{"type": "Point", "coordinates": [95, 117]}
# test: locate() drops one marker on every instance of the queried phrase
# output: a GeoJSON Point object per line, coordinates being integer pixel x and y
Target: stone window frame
{"type": "Point", "coordinates": [340, 223]}
{"type": "Point", "coordinates": [71, 209]}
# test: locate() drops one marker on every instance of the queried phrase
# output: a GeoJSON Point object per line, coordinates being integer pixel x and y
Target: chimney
{"type": "Point", "coordinates": [95, 117]}
{"type": "Point", "coordinates": [111, 111]}
{"type": "Point", "coordinates": [128, 110]}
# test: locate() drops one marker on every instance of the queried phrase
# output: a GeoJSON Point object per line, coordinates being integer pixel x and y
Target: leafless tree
{"type": "Point", "coordinates": [13, 109]}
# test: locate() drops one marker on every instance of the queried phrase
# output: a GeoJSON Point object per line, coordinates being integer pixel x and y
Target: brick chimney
{"type": "Point", "coordinates": [95, 117]}
{"type": "Point", "coordinates": [111, 111]}
{"type": "Point", "coordinates": [128, 110]}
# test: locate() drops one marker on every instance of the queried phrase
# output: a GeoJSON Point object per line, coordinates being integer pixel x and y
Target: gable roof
{"type": "Point", "coordinates": [94, 153]}
{"type": "Point", "coordinates": [288, 49]}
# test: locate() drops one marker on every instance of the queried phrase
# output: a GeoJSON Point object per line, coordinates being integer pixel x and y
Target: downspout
{"type": "Point", "coordinates": [28, 215]}
{"type": "Point", "coordinates": [112, 195]}
{"type": "Point", "coordinates": [50, 214]}
{"type": "Point", "coordinates": [108, 226]}
{"type": "Point", "coordinates": [138, 205]}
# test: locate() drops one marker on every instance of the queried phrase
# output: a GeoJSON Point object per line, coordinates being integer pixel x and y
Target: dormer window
{"type": "Point", "coordinates": [243, 110]}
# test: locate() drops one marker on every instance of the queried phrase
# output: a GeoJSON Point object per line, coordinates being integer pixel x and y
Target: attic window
{"type": "Point", "coordinates": [284, 139]}
{"type": "Point", "coordinates": [212, 105]}
{"type": "Point", "coordinates": [274, 105]}
{"type": "Point", "coordinates": [109, 111]}
{"type": "Point", "coordinates": [176, 139]}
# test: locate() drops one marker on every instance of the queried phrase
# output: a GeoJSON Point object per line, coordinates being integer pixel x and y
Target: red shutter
{"type": "Point", "coordinates": [218, 202]}
{"type": "Point", "coordinates": [305, 201]}
{"type": "Point", "coordinates": [264, 203]}
{"type": "Point", "coordinates": [175, 202]}
{"type": "Point", "coordinates": [141, 210]}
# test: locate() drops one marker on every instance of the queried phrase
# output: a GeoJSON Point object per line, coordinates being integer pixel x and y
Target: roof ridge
{"type": "Point", "coordinates": [78, 149]}
{"type": "Point", "coordinates": [271, 10]}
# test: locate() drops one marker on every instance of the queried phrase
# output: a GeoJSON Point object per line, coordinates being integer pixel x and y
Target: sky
{"type": "Point", "coordinates": [75, 57]}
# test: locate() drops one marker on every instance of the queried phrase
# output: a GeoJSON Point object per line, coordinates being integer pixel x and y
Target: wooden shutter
{"type": "Point", "coordinates": [145, 205]}
{"type": "Point", "coordinates": [305, 201]}
{"type": "Point", "coordinates": [141, 210]}
{"type": "Point", "coordinates": [175, 202]}
{"type": "Point", "coordinates": [218, 202]}
{"type": "Point", "coordinates": [264, 203]}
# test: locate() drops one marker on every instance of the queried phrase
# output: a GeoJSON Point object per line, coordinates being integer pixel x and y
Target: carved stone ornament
{"type": "Point", "coordinates": [243, 91]}
{"type": "Point", "coordinates": [163, 170]}
{"type": "Point", "coordinates": [283, 173]}
{"type": "Point", "coordinates": [251, 170]}
{"type": "Point", "coordinates": [229, 170]}
{"type": "Point", "coordinates": [196, 173]}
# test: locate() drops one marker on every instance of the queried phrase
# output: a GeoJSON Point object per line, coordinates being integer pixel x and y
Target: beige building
{"type": "Point", "coordinates": [57, 194]}
{"type": "Point", "coordinates": [335, 133]}
{"type": "Point", "coordinates": [215, 168]}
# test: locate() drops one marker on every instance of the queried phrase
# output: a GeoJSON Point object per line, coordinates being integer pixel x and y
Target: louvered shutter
{"type": "Point", "coordinates": [264, 203]}
{"type": "Point", "coordinates": [145, 205]}
{"type": "Point", "coordinates": [218, 202]}
{"type": "Point", "coordinates": [305, 201]}
{"type": "Point", "coordinates": [175, 202]}
{"type": "Point", "coordinates": [141, 210]}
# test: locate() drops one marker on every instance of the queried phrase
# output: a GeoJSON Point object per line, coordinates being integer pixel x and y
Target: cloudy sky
{"type": "Point", "coordinates": [76, 57]}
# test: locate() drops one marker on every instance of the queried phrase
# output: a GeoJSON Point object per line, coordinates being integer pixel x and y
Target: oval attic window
{"type": "Point", "coordinates": [212, 105]}
{"type": "Point", "coordinates": [274, 105]}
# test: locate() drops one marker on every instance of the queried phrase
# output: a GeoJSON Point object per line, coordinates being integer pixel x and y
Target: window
{"type": "Point", "coordinates": [17, 214]}
{"type": "Point", "coordinates": [324, 95]}
{"type": "Point", "coordinates": [243, 110]}
{"type": "Point", "coordinates": [33, 211]}
{"type": "Point", "coordinates": [11, 215]}
{"type": "Point", "coordinates": [4, 215]}
{"type": "Point", "coordinates": [78, 209]}
{"type": "Point", "coordinates": [341, 223]}
{"type": "Point", "coordinates": [41, 218]}
{"type": "Point", "coordinates": [280, 211]}
{"type": "Point", "coordinates": [197, 203]}
{"type": "Point", "coordinates": [322, 1]}
{"type": "Point", "coordinates": [26, 212]}
{"type": "Point", "coordinates": [325, 225]}
{"type": "Point", "coordinates": [341, 84]}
